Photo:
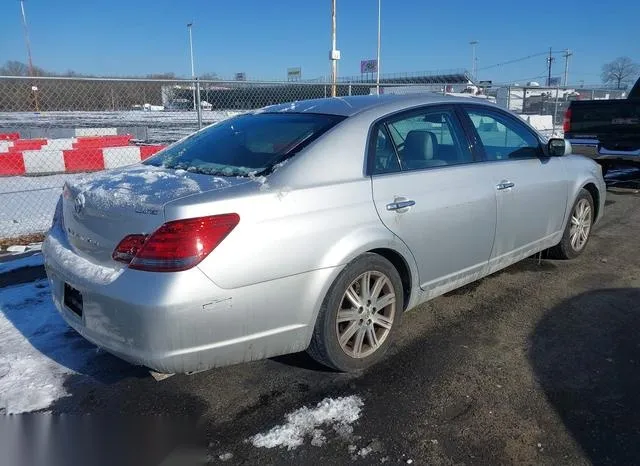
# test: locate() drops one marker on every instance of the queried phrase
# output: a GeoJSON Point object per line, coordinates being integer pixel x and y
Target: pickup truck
{"type": "Point", "coordinates": [608, 131]}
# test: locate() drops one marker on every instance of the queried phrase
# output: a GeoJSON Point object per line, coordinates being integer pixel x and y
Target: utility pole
{"type": "Point", "coordinates": [474, 71]}
{"type": "Point", "coordinates": [549, 62]}
{"type": "Point", "coordinates": [26, 36]}
{"type": "Point", "coordinates": [193, 72]}
{"type": "Point", "coordinates": [335, 54]}
{"type": "Point", "coordinates": [34, 88]}
{"type": "Point", "coordinates": [378, 55]}
{"type": "Point", "coordinates": [567, 54]}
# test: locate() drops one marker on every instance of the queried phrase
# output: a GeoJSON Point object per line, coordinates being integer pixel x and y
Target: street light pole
{"type": "Point", "coordinates": [26, 36]}
{"type": "Point", "coordinates": [474, 71]}
{"type": "Point", "coordinates": [193, 73]}
{"type": "Point", "coordinates": [378, 55]}
{"type": "Point", "coordinates": [334, 52]}
{"type": "Point", "coordinates": [34, 88]}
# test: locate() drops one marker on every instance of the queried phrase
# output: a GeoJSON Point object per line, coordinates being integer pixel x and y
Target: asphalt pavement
{"type": "Point", "coordinates": [536, 364]}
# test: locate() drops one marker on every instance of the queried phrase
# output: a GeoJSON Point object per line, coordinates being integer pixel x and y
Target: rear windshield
{"type": "Point", "coordinates": [246, 144]}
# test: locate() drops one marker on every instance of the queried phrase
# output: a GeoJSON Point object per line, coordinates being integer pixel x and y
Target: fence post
{"type": "Point", "coordinates": [555, 111]}
{"type": "Point", "coordinates": [349, 89]}
{"type": "Point", "coordinates": [593, 94]}
{"type": "Point", "coordinates": [508, 97]}
{"type": "Point", "coordinates": [199, 110]}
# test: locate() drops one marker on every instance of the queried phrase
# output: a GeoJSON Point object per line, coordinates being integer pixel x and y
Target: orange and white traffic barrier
{"type": "Point", "coordinates": [79, 154]}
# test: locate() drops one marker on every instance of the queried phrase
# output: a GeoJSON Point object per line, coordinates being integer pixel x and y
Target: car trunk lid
{"type": "Point", "coordinates": [100, 210]}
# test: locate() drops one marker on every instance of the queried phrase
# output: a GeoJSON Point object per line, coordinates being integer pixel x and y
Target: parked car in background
{"type": "Point", "coordinates": [606, 130]}
{"type": "Point", "coordinates": [310, 226]}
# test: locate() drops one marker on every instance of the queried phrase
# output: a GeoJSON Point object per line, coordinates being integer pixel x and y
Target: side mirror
{"type": "Point", "coordinates": [557, 147]}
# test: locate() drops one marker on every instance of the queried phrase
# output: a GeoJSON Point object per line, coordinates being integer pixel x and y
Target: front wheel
{"type": "Point", "coordinates": [359, 316]}
{"type": "Point", "coordinates": [578, 229]}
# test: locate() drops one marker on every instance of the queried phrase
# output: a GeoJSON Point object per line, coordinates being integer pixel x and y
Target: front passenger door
{"type": "Point", "coordinates": [430, 191]}
{"type": "Point", "coordinates": [531, 188]}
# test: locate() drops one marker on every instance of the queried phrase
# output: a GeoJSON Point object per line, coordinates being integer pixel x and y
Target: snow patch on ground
{"type": "Point", "coordinates": [305, 421]}
{"type": "Point", "coordinates": [34, 339]}
{"type": "Point", "coordinates": [318, 438]}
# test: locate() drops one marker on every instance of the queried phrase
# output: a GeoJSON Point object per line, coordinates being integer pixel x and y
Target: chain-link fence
{"type": "Point", "coordinates": [547, 105]}
{"type": "Point", "coordinates": [53, 129]}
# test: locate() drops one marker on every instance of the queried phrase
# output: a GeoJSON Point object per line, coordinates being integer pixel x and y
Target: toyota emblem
{"type": "Point", "coordinates": [78, 205]}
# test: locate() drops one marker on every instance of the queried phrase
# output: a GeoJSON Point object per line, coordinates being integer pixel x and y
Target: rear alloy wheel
{"type": "Point", "coordinates": [366, 313]}
{"type": "Point", "coordinates": [578, 229]}
{"type": "Point", "coordinates": [359, 315]}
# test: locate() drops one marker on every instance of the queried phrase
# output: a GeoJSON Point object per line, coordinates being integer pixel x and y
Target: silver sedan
{"type": "Point", "coordinates": [310, 226]}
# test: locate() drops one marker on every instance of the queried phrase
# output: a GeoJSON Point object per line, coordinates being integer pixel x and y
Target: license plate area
{"type": "Point", "coordinates": [73, 299]}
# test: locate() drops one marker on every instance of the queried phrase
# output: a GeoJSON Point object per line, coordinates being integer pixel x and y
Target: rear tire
{"type": "Point", "coordinates": [578, 230]}
{"type": "Point", "coordinates": [360, 315]}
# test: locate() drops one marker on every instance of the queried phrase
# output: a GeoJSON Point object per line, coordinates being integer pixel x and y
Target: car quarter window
{"type": "Point", "coordinates": [423, 139]}
{"type": "Point", "coordinates": [503, 138]}
{"type": "Point", "coordinates": [385, 159]}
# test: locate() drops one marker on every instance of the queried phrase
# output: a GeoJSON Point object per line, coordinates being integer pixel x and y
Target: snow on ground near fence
{"type": "Point", "coordinates": [163, 127]}
{"type": "Point", "coordinates": [37, 349]}
{"type": "Point", "coordinates": [27, 203]}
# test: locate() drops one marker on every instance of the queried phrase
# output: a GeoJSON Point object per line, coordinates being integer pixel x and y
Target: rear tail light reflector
{"type": "Point", "coordinates": [177, 245]}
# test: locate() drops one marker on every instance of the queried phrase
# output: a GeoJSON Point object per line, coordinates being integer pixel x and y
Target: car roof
{"type": "Point", "coordinates": [351, 105]}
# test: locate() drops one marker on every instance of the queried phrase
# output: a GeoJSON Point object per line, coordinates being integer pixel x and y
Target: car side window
{"type": "Point", "coordinates": [385, 159]}
{"type": "Point", "coordinates": [429, 138]}
{"type": "Point", "coordinates": [502, 137]}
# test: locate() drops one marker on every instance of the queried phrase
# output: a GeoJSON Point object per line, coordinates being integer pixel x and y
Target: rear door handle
{"type": "Point", "coordinates": [505, 185]}
{"type": "Point", "coordinates": [399, 205]}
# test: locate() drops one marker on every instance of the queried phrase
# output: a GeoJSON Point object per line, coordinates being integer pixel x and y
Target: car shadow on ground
{"type": "Point", "coordinates": [623, 177]}
{"type": "Point", "coordinates": [585, 354]}
{"type": "Point", "coordinates": [29, 308]}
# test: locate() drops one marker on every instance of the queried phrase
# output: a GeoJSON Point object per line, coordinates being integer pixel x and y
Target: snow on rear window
{"type": "Point", "coordinates": [248, 143]}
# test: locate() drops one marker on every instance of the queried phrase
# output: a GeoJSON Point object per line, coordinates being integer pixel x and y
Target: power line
{"type": "Point", "coordinates": [516, 60]}
{"type": "Point", "coordinates": [527, 79]}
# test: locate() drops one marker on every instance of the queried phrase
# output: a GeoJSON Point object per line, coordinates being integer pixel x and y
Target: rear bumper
{"type": "Point", "coordinates": [592, 149]}
{"type": "Point", "coordinates": [181, 322]}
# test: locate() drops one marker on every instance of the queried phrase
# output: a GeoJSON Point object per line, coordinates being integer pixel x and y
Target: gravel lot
{"type": "Point", "coordinates": [537, 364]}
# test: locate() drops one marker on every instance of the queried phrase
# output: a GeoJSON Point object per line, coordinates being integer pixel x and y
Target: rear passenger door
{"type": "Point", "coordinates": [429, 191]}
{"type": "Point", "coordinates": [531, 188]}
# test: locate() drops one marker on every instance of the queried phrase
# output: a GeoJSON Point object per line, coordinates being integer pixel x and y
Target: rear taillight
{"type": "Point", "coordinates": [177, 245]}
{"type": "Point", "coordinates": [128, 248]}
{"type": "Point", "coordinates": [566, 123]}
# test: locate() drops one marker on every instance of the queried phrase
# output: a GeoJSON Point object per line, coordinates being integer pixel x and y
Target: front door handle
{"type": "Point", "coordinates": [505, 185]}
{"type": "Point", "coordinates": [400, 205]}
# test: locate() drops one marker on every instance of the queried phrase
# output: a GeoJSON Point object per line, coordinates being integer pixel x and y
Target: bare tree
{"type": "Point", "coordinates": [209, 77]}
{"type": "Point", "coordinates": [619, 71]}
{"type": "Point", "coordinates": [14, 68]}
